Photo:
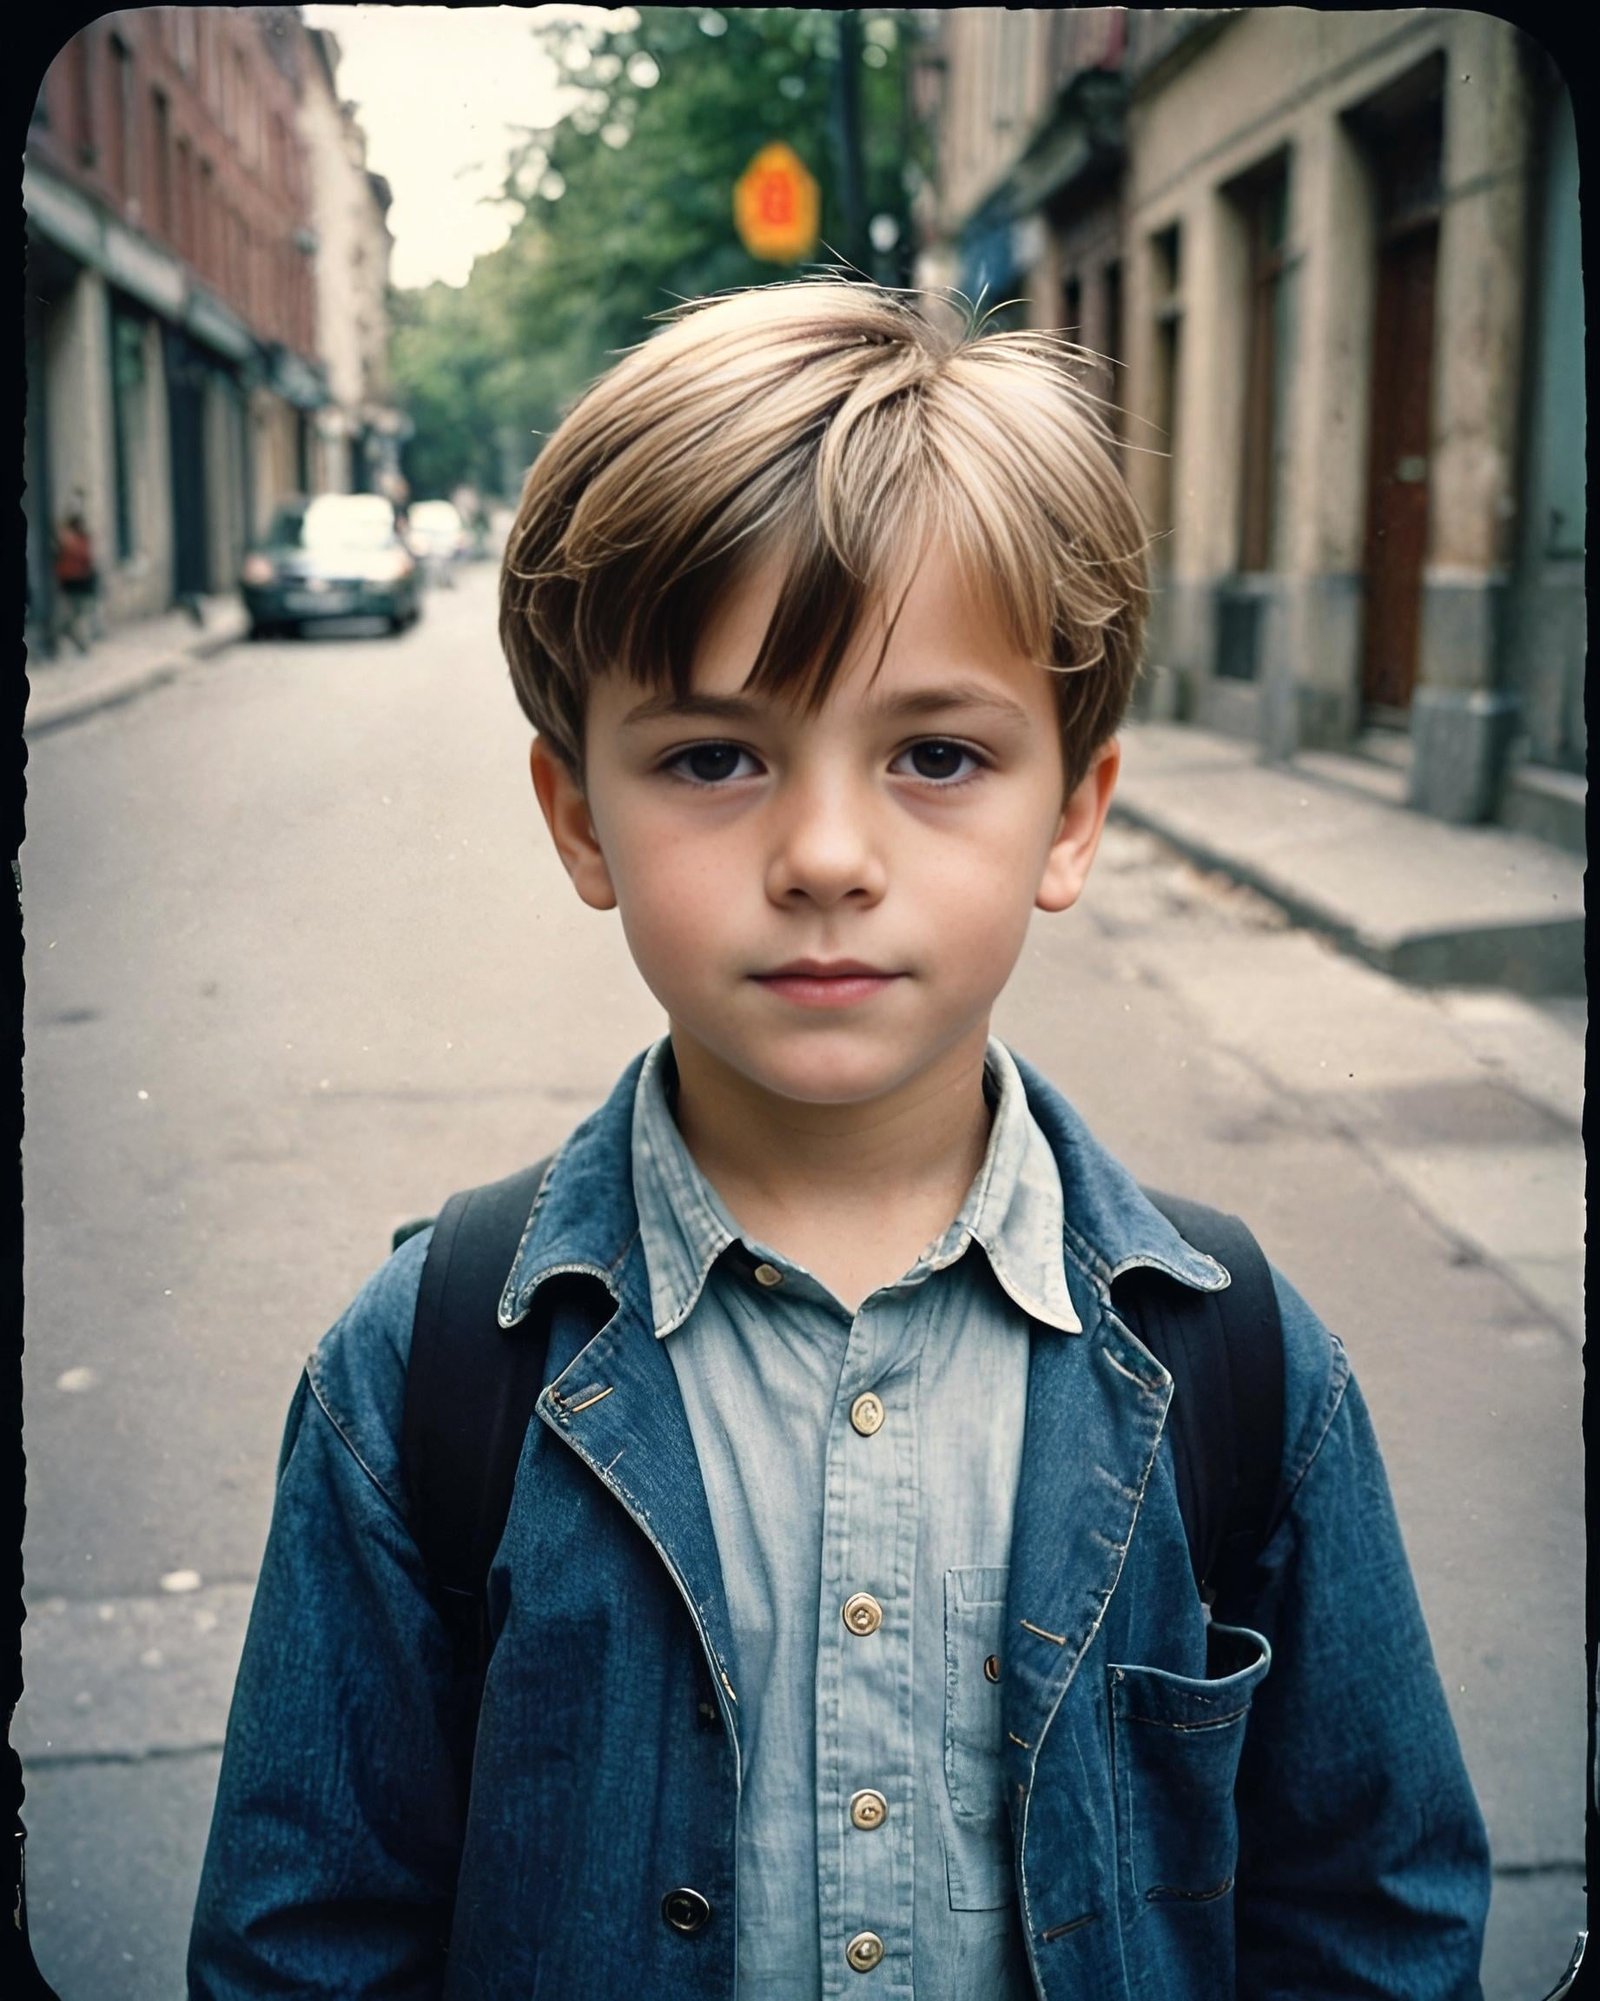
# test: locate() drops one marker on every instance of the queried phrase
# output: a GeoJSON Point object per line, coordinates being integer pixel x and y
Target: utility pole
{"type": "Point", "coordinates": [848, 103]}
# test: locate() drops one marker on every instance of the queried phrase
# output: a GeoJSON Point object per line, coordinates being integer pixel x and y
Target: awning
{"type": "Point", "coordinates": [296, 380]}
{"type": "Point", "coordinates": [62, 214]}
{"type": "Point", "coordinates": [210, 321]}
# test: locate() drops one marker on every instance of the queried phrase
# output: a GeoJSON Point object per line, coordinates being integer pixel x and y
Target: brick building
{"type": "Point", "coordinates": [170, 317]}
{"type": "Point", "coordinates": [1334, 259]}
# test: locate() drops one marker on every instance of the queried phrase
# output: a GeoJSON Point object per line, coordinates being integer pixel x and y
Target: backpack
{"type": "Point", "coordinates": [471, 1386]}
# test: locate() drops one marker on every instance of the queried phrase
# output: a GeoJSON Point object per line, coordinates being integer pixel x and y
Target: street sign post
{"type": "Point", "coordinates": [777, 207]}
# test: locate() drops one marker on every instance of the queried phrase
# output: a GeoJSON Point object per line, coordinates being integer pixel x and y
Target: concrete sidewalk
{"type": "Point", "coordinates": [129, 660]}
{"type": "Point", "coordinates": [1429, 903]}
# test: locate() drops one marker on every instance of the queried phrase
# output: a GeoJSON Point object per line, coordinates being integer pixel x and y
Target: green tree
{"type": "Point", "coordinates": [629, 206]}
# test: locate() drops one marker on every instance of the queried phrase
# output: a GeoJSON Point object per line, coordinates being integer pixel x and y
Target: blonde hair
{"type": "Point", "coordinates": [835, 422]}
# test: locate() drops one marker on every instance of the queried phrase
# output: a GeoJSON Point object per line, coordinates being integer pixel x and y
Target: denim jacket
{"type": "Point", "coordinates": [1270, 1802]}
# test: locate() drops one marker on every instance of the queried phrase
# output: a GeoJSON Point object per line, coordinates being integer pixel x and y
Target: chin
{"type": "Point", "coordinates": [831, 1068]}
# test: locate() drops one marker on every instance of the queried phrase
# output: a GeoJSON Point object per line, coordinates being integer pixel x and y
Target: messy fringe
{"type": "Point", "coordinates": [843, 428]}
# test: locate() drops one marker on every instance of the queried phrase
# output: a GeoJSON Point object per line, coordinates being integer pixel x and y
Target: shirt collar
{"type": "Point", "coordinates": [585, 1219]}
{"type": "Point", "coordinates": [1013, 1209]}
{"type": "Point", "coordinates": [682, 1220]}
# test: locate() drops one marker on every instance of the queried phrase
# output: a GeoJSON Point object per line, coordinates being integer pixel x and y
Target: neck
{"type": "Point", "coordinates": [884, 1176]}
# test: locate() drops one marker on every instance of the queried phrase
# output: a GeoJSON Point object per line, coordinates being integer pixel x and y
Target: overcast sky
{"type": "Point", "coordinates": [437, 91]}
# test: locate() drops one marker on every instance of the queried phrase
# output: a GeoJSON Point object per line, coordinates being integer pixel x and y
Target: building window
{"type": "Point", "coordinates": [184, 39]}
{"type": "Point", "coordinates": [183, 175]}
{"type": "Point", "coordinates": [206, 58]}
{"type": "Point", "coordinates": [161, 148]}
{"type": "Point", "coordinates": [205, 221]}
{"type": "Point", "coordinates": [243, 122]}
{"type": "Point", "coordinates": [278, 164]}
{"type": "Point", "coordinates": [1166, 276]}
{"type": "Point", "coordinates": [78, 98]}
{"type": "Point", "coordinates": [121, 153]}
{"type": "Point", "coordinates": [1262, 201]}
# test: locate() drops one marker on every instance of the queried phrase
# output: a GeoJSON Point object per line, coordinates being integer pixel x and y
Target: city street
{"type": "Point", "coordinates": [300, 961]}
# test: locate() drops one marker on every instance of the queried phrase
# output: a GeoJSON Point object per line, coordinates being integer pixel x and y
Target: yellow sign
{"type": "Point", "coordinates": [777, 207]}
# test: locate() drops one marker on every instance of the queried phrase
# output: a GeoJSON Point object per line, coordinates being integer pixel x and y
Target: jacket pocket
{"type": "Point", "coordinates": [1175, 1744]}
{"type": "Point", "coordinates": [977, 1833]}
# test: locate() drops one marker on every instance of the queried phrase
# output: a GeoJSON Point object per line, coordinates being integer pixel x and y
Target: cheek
{"type": "Point", "coordinates": [991, 867]}
{"type": "Point", "coordinates": [676, 893]}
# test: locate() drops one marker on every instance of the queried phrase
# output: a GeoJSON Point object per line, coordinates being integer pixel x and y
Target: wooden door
{"type": "Point", "coordinates": [1398, 461]}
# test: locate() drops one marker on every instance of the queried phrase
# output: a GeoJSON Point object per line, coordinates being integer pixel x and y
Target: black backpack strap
{"type": "Point", "coordinates": [1224, 1352]}
{"type": "Point", "coordinates": [470, 1390]}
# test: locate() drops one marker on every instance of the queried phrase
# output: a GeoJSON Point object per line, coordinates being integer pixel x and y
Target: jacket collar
{"type": "Point", "coordinates": [585, 1220]}
{"type": "Point", "coordinates": [1012, 1209]}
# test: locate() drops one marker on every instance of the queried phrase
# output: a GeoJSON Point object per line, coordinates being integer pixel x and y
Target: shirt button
{"type": "Point", "coordinates": [765, 1274]}
{"type": "Point", "coordinates": [991, 1668]}
{"type": "Point", "coordinates": [863, 1614]}
{"type": "Point", "coordinates": [868, 1809]}
{"type": "Point", "coordinates": [864, 1951]}
{"type": "Point", "coordinates": [685, 1910]}
{"type": "Point", "coordinates": [866, 1413]}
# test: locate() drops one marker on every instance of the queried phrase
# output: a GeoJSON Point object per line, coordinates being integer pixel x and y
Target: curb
{"type": "Point", "coordinates": [113, 694]}
{"type": "Point", "coordinates": [1540, 960]}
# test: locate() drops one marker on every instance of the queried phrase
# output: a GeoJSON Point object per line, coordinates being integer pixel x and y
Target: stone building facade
{"type": "Point", "coordinates": [1334, 261]}
{"type": "Point", "coordinates": [358, 430]}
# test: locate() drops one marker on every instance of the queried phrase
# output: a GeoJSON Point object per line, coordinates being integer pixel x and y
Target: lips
{"type": "Point", "coordinates": [827, 983]}
{"type": "Point", "coordinates": [827, 969]}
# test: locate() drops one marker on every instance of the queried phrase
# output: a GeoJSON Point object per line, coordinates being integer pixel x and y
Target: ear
{"type": "Point", "coordinates": [1077, 838]}
{"type": "Point", "coordinates": [566, 814]}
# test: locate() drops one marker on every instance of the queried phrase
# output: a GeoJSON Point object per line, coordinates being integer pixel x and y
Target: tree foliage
{"type": "Point", "coordinates": [629, 208]}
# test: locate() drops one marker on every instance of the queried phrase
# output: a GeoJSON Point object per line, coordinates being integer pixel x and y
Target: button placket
{"type": "Point", "coordinates": [869, 1538]}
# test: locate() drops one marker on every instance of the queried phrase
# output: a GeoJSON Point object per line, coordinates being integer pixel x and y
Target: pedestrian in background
{"type": "Point", "coordinates": [77, 579]}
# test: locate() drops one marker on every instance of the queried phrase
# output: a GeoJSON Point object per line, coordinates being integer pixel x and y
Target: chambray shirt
{"type": "Point", "coordinates": [861, 1471]}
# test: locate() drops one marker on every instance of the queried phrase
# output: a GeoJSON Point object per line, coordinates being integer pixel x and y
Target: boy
{"type": "Point", "coordinates": [845, 1633]}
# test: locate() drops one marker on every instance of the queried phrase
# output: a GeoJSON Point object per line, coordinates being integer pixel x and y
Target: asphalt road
{"type": "Point", "coordinates": [300, 961]}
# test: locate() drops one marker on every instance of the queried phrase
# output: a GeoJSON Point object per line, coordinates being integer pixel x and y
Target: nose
{"type": "Point", "coordinates": [826, 846]}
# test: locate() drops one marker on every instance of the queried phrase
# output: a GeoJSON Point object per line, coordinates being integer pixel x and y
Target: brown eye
{"type": "Point", "coordinates": [709, 763]}
{"type": "Point", "coordinates": [938, 759]}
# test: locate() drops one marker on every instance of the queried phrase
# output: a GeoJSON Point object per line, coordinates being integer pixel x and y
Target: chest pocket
{"type": "Point", "coordinates": [1175, 1752]}
{"type": "Point", "coordinates": [977, 1832]}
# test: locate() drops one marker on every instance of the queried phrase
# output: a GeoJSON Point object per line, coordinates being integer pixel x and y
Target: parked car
{"type": "Point", "coordinates": [341, 555]}
{"type": "Point", "coordinates": [439, 539]}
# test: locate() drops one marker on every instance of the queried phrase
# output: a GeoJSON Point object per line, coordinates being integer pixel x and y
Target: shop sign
{"type": "Point", "coordinates": [777, 207]}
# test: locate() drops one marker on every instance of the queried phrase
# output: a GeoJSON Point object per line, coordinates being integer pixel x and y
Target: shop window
{"type": "Point", "coordinates": [128, 393]}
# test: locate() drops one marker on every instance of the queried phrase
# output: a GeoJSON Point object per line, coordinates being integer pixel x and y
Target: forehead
{"type": "Point", "coordinates": [929, 621]}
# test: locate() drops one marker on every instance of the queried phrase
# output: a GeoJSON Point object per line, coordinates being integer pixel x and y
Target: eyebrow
{"type": "Point", "coordinates": [941, 700]}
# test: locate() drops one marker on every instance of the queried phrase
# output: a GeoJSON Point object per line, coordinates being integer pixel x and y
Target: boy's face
{"type": "Point", "coordinates": [828, 905]}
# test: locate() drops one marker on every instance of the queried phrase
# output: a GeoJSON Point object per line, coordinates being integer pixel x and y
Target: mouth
{"type": "Point", "coordinates": [826, 982]}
